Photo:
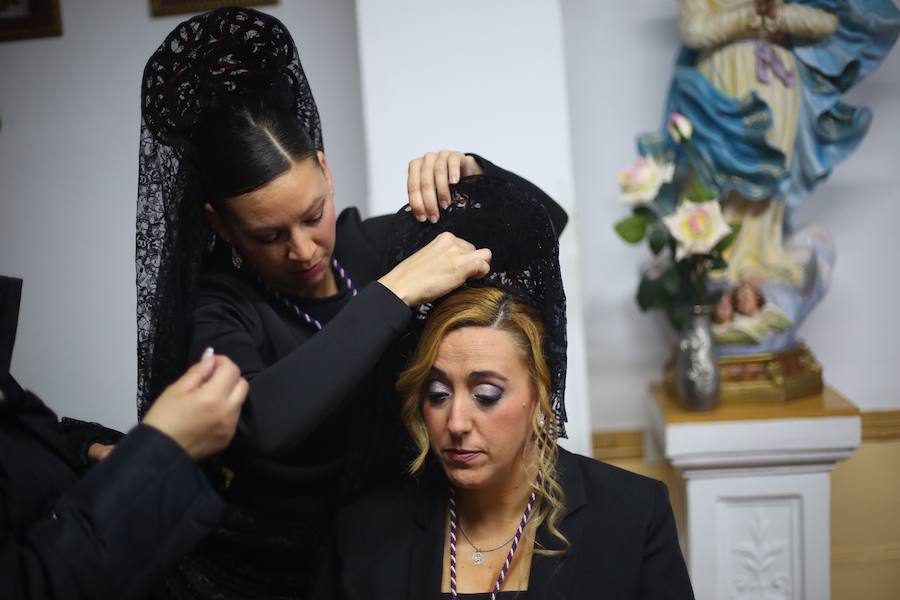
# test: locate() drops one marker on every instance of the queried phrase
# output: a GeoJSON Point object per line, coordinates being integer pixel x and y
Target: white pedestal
{"type": "Point", "coordinates": [756, 485]}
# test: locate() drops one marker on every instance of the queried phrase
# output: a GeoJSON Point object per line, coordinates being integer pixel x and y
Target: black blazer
{"type": "Point", "coordinates": [620, 526]}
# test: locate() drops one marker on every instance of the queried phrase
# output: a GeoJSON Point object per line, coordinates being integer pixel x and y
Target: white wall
{"type": "Point", "coordinates": [855, 332]}
{"type": "Point", "coordinates": [619, 59]}
{"type": "Point", "coordinates": [68, 173]}
{"type": "Point", "coordinates": [486, 77]}
{"type": "Point", "coordinates": [68, 183]}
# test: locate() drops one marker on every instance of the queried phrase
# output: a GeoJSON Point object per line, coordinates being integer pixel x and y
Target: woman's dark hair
{"type": "Point", "coordinates": [240, 148]}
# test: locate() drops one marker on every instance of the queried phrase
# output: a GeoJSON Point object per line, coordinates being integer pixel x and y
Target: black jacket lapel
{"type": "Point", "coordinates": [426, 552]}
{"type": "Point", "coordinates": [548, 578]}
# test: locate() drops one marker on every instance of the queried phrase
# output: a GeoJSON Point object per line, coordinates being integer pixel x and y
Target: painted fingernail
{"type": "Point", "coordinates": [454, 178]}
{"type": "Point", "coordinates": [433, 218]}
{"type": "Point", "coordinates": [208, 352]}
{"type": "Point", "coordinates": [420, 218]}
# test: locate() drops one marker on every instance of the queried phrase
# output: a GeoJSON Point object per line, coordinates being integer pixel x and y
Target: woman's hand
{"type": "Point", "coordinates": [437, 269]}
{"type": "Point", "coordinates": [429, 179]}
{"type": "Point", "coordinates": [200, 410]}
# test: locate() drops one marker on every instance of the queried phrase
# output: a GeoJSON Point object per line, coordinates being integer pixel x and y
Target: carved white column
{"type": "Point", "coordinates": [756, 485]}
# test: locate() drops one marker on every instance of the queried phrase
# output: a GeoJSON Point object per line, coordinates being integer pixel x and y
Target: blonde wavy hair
{"type": "Point", "coordinates": [495, 309]}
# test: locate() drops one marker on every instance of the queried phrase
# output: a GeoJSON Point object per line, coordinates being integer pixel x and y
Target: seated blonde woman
{"type": "Point", "coordinates": [494, 507]}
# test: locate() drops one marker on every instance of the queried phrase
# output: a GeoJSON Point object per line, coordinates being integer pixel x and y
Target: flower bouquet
{"type": "Point", "coordinates": [688, 240]}
{"type": "Point", "coordinates": [688, 236]}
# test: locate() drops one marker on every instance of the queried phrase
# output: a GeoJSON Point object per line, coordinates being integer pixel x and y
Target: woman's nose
{"type": "Point", "coordinates": [301, 247]}
{"type": "Point", "coordinates": [459, 420]}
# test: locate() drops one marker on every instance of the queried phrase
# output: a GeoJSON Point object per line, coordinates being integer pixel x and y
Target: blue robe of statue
{"type": "Point", "coordinates": [730, 133]}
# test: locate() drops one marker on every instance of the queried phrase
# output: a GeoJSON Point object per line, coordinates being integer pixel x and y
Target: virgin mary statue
{"type": "Point", "coordinates": [762, 83]}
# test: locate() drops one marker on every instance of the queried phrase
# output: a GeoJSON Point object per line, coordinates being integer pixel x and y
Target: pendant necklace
{"type": "Point", "coordinates": [478, 557]}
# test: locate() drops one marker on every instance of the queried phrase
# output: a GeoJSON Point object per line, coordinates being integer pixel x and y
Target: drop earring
{"type": "Point", "coordinates": [236, 261]}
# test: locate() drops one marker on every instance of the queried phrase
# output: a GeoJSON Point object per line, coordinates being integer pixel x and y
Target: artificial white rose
{"type": "Point", "coordinates": [640, 184]}
{"type": "Point", "coordinates": [680, 127]}
{"type": "Point", "coordinates": [697, 227]}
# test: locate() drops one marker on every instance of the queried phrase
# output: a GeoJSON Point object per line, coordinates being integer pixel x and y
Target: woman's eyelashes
{"type": "Point", "coordinates": [274, 236]}
{"type": "Point", "coordinates": [485, 394]}
{"type": "Point", "coordinates": [437, 392]}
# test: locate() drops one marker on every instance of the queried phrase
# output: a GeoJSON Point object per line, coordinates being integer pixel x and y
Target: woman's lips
{"type": "Point", "coordinates": [311, 272]}
{"type": "Point", "coordinates": [461, 456]}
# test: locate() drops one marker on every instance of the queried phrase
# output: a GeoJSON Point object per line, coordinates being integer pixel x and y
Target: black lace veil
{"type": "Point", "coordinates": [491, 213]}
{"type": "Point", "coordinates": [207, 62]}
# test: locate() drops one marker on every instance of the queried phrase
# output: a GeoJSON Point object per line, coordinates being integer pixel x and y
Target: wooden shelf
{"type": "Point", "coordinates": [828, 403]}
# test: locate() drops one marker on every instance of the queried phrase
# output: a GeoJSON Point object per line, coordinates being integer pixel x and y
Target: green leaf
{"type": "Point", "coordinates": [699, 192]}
{"type": "Point", "coordinates": [659, 237]}
{"type": "Point", "coordinates": [632, 229]}
{"type": "Point", "coordinates": [648, 294]}
{"type": "Point", "coordinates": [670, 280]}
{"type": "Point", "coordinates": [647, 213]}
{"type": "Point", "coordinates": [678, 315]}
{"type": "Point", "coordinates": [709, 194]}
{"type": "Point", "coordinates": [652, 293]}
{"type": "Point", "coordinates": [728, 239]}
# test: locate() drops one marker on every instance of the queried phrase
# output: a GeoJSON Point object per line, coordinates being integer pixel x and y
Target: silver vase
{"type": "Point", "coordinates": [697, 363]}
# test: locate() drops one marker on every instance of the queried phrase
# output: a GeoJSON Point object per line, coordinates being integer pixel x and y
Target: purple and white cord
{"type": "Point", "coordinates": [454, 526]}
{"type": "Point", "coordinates": [302, 314]}
{"type": "Point", "coordinates": [454, 521]}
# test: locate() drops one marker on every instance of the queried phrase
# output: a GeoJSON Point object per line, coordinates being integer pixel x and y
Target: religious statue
{"type": "Point", "coordinates": [761, 82]}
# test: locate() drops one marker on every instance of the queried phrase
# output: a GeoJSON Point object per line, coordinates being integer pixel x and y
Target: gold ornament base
{"type": "Point", "coordinates": [769, 377]}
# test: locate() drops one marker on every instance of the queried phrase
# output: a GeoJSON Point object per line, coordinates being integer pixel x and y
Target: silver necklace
{"type": "Point", "coordinates": [478, 556]}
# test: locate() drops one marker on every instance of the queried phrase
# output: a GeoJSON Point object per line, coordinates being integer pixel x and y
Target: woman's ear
{"type": "Point", "coordinates": [217, 222]}
{"type": "Point", "coordinates": [323, 164]}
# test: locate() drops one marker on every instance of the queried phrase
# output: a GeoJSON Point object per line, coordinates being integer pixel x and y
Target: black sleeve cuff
{"type": "Point", "coordinates": [394, 311]}
{"type": "Point", "coordinates": [82, 434]}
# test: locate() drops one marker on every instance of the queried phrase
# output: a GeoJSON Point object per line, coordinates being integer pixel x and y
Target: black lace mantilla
{"type": "Point", "coordinates": [491, 213]}
{"type": "Point", "coordinates": [206, 62]}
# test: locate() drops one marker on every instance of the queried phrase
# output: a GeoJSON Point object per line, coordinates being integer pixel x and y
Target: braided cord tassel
{"type": "Point", "coordinates": [302, 314]}
{"type": "Point", "coordinates": [343, 275]}
{"type": "Point", "coordinates": [513, 548]}
{"type": "Point", "coordinates": [454, 519]}
{"type": "Point", "coordinates": [454, 525]}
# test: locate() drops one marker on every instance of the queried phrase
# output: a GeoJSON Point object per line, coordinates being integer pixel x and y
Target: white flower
{"type": "Point", "coordinates": [640, 184]}
{"type": "Point", "coordinates": [697, 227]}
{"type": "Point", "coordinates": [680, 127]}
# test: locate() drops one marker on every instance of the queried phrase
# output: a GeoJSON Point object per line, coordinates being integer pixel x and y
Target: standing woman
{"type": "Point", "coordinates": [239, 248]}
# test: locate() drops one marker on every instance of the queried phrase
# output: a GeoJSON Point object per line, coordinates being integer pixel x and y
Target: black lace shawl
{"type": "Point", "coordinates": [207, 62]}
{"type": "Point", "coordinates": [491, 213]}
